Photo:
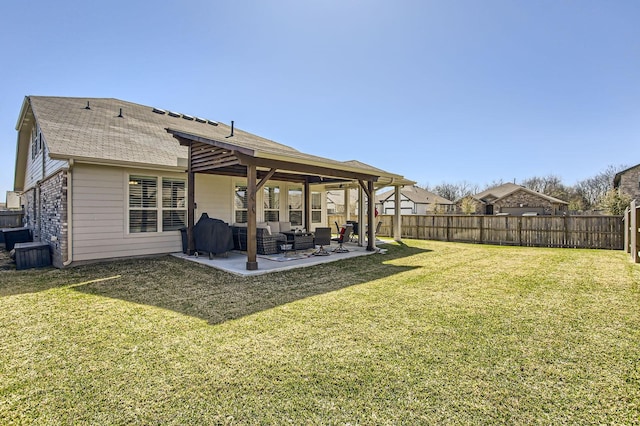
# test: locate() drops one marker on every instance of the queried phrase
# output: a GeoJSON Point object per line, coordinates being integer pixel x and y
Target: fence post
{"type": "Point", "coordinates": [634, 232]}
{"type": "Point", "coordinates": [519, 230]}
{"type": "Point", "coordinates": [627, 228]}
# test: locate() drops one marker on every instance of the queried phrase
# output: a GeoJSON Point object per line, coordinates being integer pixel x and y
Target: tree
{"type": "Point", "coordinates": [614, 203]}
{"type": "Point", "coordinates": [455, 191]}
{"type": "Point", "coordinates": [468, 205]}
{"type": "Point", "coordinates": [550, 185]}
{"type": "Point", "coordinates": [594, 189]}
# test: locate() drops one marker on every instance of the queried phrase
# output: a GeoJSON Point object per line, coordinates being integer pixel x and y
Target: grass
{"type": "Point", "coordinates": [430, 333]}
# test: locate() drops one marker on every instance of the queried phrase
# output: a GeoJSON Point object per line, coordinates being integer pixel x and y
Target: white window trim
{"type": "Point", "coordinates": [234, 184]}
{"type": "Point", "coordinates": [301, 209]}
{"type": "Point", "coordinates": [159, 208]}
{"type": "Point", "coordinates": [273, 184]}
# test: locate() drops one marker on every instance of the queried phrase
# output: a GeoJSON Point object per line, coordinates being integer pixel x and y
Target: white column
{"type": "Point", "coordinates": [361, 224]}
{"type": "Point", "coordinates": [397, 217]}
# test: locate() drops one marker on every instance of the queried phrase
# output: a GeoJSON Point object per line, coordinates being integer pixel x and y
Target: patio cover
{"type": "Point", "coordinates": [240, 155]}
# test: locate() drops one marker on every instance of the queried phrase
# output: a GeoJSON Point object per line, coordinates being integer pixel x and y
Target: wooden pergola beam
{"type": "Point", "coordinates": [307, 169]}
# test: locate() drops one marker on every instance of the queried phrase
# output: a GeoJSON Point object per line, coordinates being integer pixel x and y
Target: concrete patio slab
{"type": "Point", "coordinates": [235, 262]}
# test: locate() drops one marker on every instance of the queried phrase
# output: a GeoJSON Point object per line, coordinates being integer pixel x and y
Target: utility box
{"type": "Point", "coordinates": [15, 235]}
{"type": "Point", "coordinates": [32, 255]}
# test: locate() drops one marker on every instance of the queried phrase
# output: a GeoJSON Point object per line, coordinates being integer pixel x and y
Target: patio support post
{"type": "Point", "coordinates": [371, 193]}
{"type": "Point", "coordinates": [252, 244]}
{"type": "Point", "coordinates": [361, 226]}
{"type": "Point", "coordinates": [346, 204]}
{"type": "Point", "coordinates": [191, 206]}
{"type": "Point", "coordinates": [307, 205]}
{"type": "Point", "coordinates": [397, 216]}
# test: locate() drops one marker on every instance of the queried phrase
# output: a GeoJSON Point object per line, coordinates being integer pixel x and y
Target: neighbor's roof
{"type": "Point", "coordinates": [506, 189]}
{"type": "Point", "coordinates": [120, 132]}
{"type": "Point", "coordinates": [618, 176]}
{"type": "Point", "coordinates": [416, 194]}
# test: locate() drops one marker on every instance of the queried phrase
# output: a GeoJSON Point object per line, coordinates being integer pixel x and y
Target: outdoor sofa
{"type": "Point", "coordinates": [268, 236]}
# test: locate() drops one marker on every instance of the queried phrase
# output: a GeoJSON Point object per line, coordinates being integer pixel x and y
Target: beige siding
{"type": "Point", "coordinates": [37, 170]}
{"type": "Point", "coordinates": [100, 216]}
{"type": "Point", "coordinates": [214, 196]}
{"type": "Point", "coordinates": [100, 211]}
{"type": "Point", "coordinates": [34, 167]}
{"type": "Point", "coordinates": [52, 166]}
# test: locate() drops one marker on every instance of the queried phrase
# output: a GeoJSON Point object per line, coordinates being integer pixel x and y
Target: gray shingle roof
{"type": "Point", "coordinates": [139, 136]}
{"type": "Point", "coordinates": [503, 190]}
{"type": "Point", "coordinates": [417, 195]}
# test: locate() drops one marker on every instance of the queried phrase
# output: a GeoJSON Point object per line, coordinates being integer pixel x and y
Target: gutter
{"type": "Point", "coordinates": [69, 214]}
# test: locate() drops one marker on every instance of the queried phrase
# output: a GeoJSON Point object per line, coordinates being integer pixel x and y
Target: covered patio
{"type": "Point", "coordinates": [241, 156]}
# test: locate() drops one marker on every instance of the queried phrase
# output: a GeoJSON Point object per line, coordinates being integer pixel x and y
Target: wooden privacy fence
{"type": "Point", "coordinates": [601, 232]}
{"type": "Point", "coordinates": [631, 231]}
{"type": "Point", "coordinates": [10, 218]}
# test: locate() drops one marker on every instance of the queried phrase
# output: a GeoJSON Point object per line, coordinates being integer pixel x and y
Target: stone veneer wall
{"type": "Point", "coordinates": [45, 213]}
{"type": "Point", "coordinates": [630, 183]}
{"type": "Point", "coordinates": [526, 199]}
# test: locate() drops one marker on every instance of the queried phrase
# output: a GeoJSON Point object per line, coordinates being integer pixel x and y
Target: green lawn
{"type": "Point", "coordinates": [429, 333]}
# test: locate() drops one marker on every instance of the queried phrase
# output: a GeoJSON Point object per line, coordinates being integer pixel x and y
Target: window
{"type": "Point", "coordinates": [174, 204]}
{"type": "Point", "coordinates": [35, 142]}
{"type": "Point", "coordinates": [148, 203]}
{"type": "Point", "coordinates": [143, 204]}
{"type": "Point", "coordinates": [295, 206]}
{"type": "Point", "coordinates": [240, 203]}
{"type": "Point", "coordinates": [271, 202]}
{"type": "Point", "coordinates": [316, 207]}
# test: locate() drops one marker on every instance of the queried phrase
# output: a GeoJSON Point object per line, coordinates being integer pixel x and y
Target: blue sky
{"type": "Point", "coordinates": [438, 91]}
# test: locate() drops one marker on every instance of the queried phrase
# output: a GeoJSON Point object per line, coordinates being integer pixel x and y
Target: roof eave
{"type": "Point", "coordinates": [118, 163]}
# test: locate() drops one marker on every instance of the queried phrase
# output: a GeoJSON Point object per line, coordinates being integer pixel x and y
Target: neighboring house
{"type": "Point", "coordinates": [105, 178]}
{"type": "Point", "coordinates": [627, 182]}
{"type": "Point", "coordinates": [517, 200]}
{"type": "Point", "coordinates": [335, 201]}
{"type": "Point", "coordinates": [414, 200]}
{"type": "Point", "coordinates": [13, 201]}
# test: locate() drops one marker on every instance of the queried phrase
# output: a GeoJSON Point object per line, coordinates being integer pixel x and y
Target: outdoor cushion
{"type": "Point", "coordinates": [285, 226]}
{"type": "Point", "coordinates": [264, 225]}
{"type": "Point", "coordinates": [275, 227]}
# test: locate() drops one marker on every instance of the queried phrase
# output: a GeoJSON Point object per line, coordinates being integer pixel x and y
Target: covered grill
{"type": "Point", "coordinates": [212, 236]}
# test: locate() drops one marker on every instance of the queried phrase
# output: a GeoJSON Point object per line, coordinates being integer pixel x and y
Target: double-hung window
{"type": "Point", "coordinates": [271, 200]}
{"type": "Point", "coordinates": [295, 206]}
{"type": "Point", "coordinates": [174, 204]}
{"type": "Point", "coordinates": [156, 204]}
{"type": "Point", "coordinates": [316, 207]}
{"type": "Point", "coordinates": [240, 203]}
{"type": "Point", "coordinates": [35, 142]}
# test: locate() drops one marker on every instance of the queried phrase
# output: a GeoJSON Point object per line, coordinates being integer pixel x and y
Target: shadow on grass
{"type": "Point", "coordinates": [216, 296]}
{"type": "Point", "coordinates": [13, 282]}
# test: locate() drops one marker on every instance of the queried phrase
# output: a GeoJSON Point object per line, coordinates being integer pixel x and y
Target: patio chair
{"type": "Point", "coordinates": [322, 238]}
{"type": "Point", "coordinates": [377, 231]}
{"type": "Point", "coordinates": [345, 232]}
{"type": "Point", "coordinates": [354, 235]}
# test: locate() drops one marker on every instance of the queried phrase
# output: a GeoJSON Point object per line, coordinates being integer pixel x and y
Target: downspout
{"type": "Point", "coordinates": [69, 215]}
